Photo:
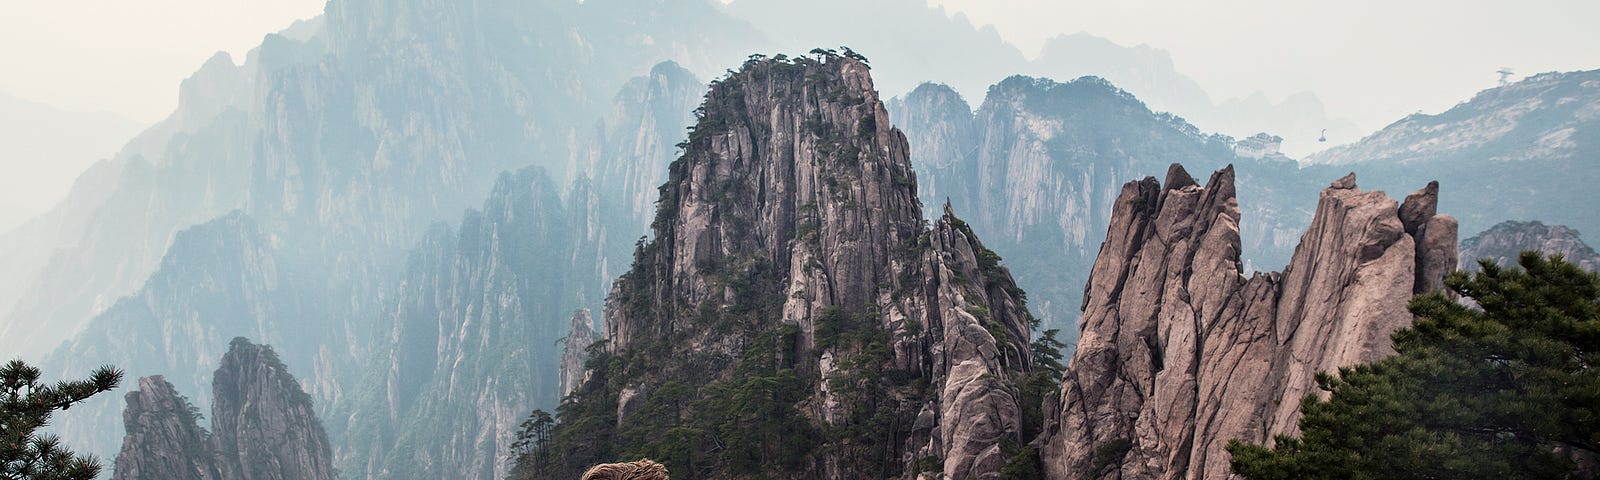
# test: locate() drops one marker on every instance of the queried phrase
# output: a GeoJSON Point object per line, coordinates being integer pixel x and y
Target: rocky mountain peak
{"type": "Point", "coordinates": [1502, 244]}
{"type": "Point", "coordinates": [1181, 352]}
{"type": "Point", "coordinates": [785, 155]}
{"type": "Point", "coordinates": [263, 426]}
{"type": "Point", "coordinates": [791, 266]}
{"type": "Point", "coordinates": [164, 438]}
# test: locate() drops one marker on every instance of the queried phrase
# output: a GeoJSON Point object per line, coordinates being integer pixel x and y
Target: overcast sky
{"type": "Point", "coordinates": [1370, 60]}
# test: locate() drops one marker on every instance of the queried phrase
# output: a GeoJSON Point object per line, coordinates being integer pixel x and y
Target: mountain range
{"type": "Point", "coordinates": [409, 199]}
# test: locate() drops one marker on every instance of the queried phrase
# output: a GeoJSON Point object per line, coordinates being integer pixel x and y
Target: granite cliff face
{"type": "Point", "coordinates": [790, 246]}
{"type": "Point", "coordinates": [1502, 243]}
{"type": "Point", "coordinates": [574, 354]}
{"type": "Point", "coordinates": [263, 426]}
{"type": "Point", "coordinates": [1181, 352]}
{"type": "Point", "coordinates": [164, 438]}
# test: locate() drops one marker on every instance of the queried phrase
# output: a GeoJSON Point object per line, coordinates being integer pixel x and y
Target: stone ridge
{"type": "Point", "coordinates": [1181, 352]}
{"type": "Point", "coordinates": [794, 208]}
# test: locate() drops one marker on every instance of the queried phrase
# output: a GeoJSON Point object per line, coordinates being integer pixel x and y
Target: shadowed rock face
{"type": "Point", "coordinates": [163, 439]}
{"type": "Point", "coordinates": [795, 199]}
{"type": "Point", "coordinates": [575, 353]}
{"type": "Point", "coordinates": [1180, 352]}
{"type": "Point", "coordinates": [263, 426]}
{"type": "Point", "coordinates": [1502, 243]}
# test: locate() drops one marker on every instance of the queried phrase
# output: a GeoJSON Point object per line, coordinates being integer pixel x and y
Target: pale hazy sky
{"type": "Point", "coordinates": [1369, 60]}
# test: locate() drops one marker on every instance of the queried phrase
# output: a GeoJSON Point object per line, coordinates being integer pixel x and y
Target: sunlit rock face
{"type": "Point", "coordinates": [1182, 351]}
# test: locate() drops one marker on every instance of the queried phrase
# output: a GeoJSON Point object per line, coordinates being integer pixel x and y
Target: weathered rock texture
{"type": "Point", "coordinates": [1502, 243]}
{"type": "Point", "coordinates": [263, 426]}
{"type": "Point", "coordinates": [164, 439]}
{"type": "Point", "coordinates": [1044, 161]}
{"type": "Point", "coordinates": [793, 212]}
{"type": "Point", "coordinates": [1180, 352]}
{"type": "Point", "coordinates": [575, 353]}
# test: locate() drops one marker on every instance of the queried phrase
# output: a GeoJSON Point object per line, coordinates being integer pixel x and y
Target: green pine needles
{"type": "Point", "coordinates": [26, 406]}
{"type": "Point", "coordinates": [1503, 390]}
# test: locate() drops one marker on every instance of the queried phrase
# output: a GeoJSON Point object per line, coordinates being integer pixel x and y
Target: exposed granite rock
{"type": "Point", "coordinates": [1504, 242]}
{"type": "Point", "coordinates": [1180, 352]}
{"type": "Point", "coordinates": [264, 426]}
{"type": "Point", "coordinates": [164, 439]}
{"type": "Point", "coordinates": [794, 206]}
{"type": "Point", "coordinates": [575, 353]}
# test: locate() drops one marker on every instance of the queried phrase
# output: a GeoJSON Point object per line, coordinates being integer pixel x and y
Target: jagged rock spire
{"type": "Point", "coordinates": [1181, 352]}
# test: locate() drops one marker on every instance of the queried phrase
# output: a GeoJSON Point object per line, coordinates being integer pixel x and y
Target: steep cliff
{"type": "Point", "coordinates": [468, 345]}
{"type": "Point", "coordinates": [163, 437]}
{"type": "Point", "coordinates": [1502, 243]}
{"type": "Point", "coordinates": [792, 296]}
{"type": "Point", "coordinates": [263, 426]}
{"type": "Point", "coordinates": [574, 353]}
{"type": "Point", "coordinates": [1181, 352]}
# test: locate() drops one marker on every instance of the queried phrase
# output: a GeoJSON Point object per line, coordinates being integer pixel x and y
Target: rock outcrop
{"type": "Point", "coordinates": [1181, 352]}
{"type": "Point", "coordinates": [575, 352]}
{"type": "Point", "coordinates": [164, 439]}
{"type": "Point", "coordinates": [1502, 244]}
{"type": "Point", "coordinates": [263, 426]}
{"type": "Point", "coordinates": [790, 254]}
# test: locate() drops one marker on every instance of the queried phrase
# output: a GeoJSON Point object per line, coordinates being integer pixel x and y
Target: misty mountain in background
{"type": "Point", "coordinates": [927, 44]}
{"type": "Point", "coordinates": [311, 194]}
{"type": "Point", "coordinates": [44, 149]}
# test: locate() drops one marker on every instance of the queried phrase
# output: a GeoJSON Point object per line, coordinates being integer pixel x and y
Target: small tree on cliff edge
{"type": "Point", "coordinates": [1508, 391]}
{"type": "Point", "coordinates": [26, 405]}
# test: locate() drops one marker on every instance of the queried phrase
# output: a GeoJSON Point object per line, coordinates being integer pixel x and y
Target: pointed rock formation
{"type": "Point", "coordinates": [1504, 242]}
{"type": "Point", "coordinates": [1180, 352]}
{"type": "Point", "coordinates": [262, 423]}
{"type": "Point", "coordinates": [164, 439]}
{"type": "Point", "coordinates": [575, 353]}
{"type": "Point", "coordinates": [263, 426]}
{"type": "Point", "coordinates": [790, 251]}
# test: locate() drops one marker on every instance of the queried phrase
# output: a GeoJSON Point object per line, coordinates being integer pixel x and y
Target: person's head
{"type": "Point", "coordinates": [640, 470]}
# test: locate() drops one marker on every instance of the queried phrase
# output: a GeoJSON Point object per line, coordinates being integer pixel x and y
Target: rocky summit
{"type": "Point", "coordinates": [793, 316]}
{"type": "Point", "coordinates": [1502, 244]}
{"type": "Point", "coordinates": [1181, 351]}
{"type": "Point", "coordinates": [262, 426]}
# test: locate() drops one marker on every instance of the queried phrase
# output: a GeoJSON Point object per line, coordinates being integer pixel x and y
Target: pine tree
{"type": "Point", "coordinates": [26, 406]}
{"type": "Point", "coordinates": [1501, 390]}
